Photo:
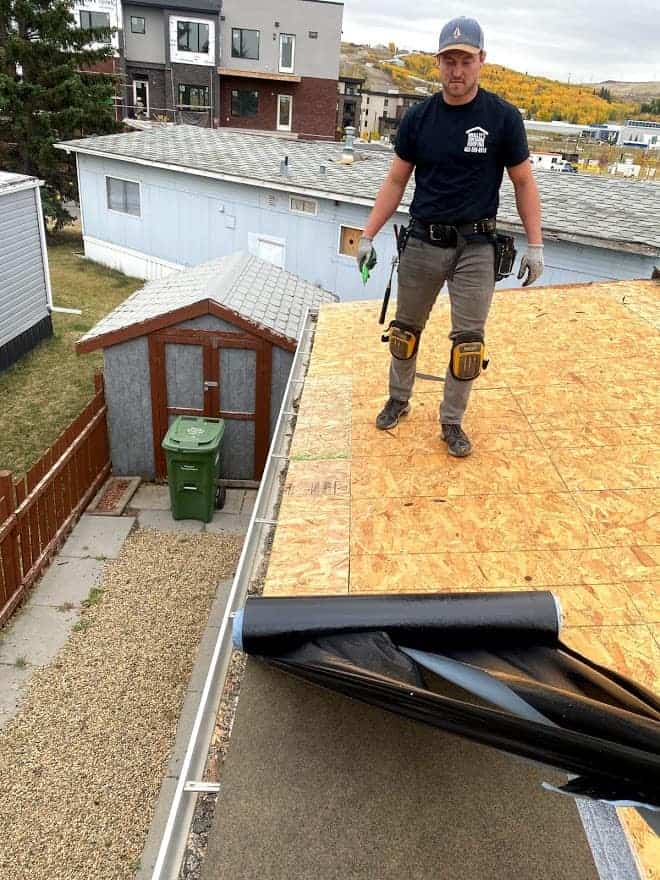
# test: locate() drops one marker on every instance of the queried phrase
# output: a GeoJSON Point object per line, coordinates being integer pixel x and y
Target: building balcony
{"type": "Point", "coordinates": [259, 74]}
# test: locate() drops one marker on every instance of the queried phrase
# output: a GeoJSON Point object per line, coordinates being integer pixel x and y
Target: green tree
{"type": "Point", "coordinates": [48, 93]}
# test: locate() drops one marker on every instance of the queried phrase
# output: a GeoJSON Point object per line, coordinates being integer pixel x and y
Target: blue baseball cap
{"type": "Point", "coordinates": [463, 34]}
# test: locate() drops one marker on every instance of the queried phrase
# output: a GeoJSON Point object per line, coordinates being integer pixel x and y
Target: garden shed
{"type": "Point", "coordinates": [25, 296]}
{"type": "Point", "coordinates": [214, 340]}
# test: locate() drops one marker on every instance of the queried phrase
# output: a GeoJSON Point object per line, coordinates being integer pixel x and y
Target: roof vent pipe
{"type": "Point", "coordinates": [347, 153]}
{"type": "Point", "coordinates": [284, 167]}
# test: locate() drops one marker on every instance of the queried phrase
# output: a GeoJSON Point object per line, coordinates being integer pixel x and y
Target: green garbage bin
{"type": "Point", "coordinates": [192, 449]}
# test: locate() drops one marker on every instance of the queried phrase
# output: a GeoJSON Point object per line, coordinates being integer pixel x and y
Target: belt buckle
{"type": "Point", "coordinates": [443, 237]}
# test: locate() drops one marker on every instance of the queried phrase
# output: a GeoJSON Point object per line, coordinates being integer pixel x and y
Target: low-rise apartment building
{"type": "Point", "coordinates": [171, 54]}
{"type": "Point", "coordinates": [280, 65]}
{"type": "Point", "coordinates": [349, 102]}
{"type": "Point", "coordinates": [382, 112]}
{"type": "Point", "coordinates": [251, 64]}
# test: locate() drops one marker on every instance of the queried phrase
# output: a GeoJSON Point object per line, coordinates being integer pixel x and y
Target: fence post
{"type": "Point", "coordinates": [98, 381]}
{"type": "Point", "coordinates": [10, 562]}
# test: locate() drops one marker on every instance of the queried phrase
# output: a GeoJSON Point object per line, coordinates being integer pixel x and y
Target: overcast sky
{"type": "Point", "coordinates": [586, 41]}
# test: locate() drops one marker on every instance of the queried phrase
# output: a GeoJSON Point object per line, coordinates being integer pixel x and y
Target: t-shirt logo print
{"type": "Point", "coordinates": [476, 140]}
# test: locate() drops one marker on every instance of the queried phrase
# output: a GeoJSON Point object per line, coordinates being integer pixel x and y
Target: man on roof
{"type": "Point", "coordinates": [458, 142]}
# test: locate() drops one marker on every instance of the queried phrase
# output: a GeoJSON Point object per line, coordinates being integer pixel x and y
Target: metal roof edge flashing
{"type": "Point", "coordinates": [173, 843]}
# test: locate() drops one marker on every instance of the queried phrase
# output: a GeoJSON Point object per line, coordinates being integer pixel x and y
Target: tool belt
{"type": "Point", "coordinates": [446, 234]}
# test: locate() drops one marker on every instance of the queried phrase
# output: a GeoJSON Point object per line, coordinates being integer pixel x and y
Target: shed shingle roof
{"type": "Point", "coordinates": [9, 180]}
{"type": "Point", "coordinates": [263, 294]}
{"type": "Point", "coordinates": [619, 214]}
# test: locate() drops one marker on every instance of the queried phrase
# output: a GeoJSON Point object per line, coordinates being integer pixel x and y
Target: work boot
{"type": "Point", "coordinates": [458, 442]}
{"type": "Point", "coordinates": [390, 414]}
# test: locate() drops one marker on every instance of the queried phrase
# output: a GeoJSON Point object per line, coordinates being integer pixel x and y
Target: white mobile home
{"type": "Point", "coordinates": [174, 196]}
{"type": "Point", "coordinates": [25, 296]}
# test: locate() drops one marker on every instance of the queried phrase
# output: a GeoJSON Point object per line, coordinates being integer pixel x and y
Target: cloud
{"type": "Point", "coordinates": [609, 41]}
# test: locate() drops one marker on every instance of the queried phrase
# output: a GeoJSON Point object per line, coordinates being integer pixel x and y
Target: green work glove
{"type": "Point", "coordinates": [366, 255]}
{"type": "Point", "coordinates": [531, 264]}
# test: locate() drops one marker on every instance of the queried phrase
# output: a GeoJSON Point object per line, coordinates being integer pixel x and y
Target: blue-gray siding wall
{"type": "Point", "coordinates": [128, 395]}
{"type": "Point", "coordinates": [187, 219]}
{"type": "Point", "coordinates": [23, 296]}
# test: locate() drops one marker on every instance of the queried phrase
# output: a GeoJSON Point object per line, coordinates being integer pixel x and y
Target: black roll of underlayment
{"type": "Point", "coordinates": [487, 666]}
{"type": "Point", "coordinates": [271, 625]}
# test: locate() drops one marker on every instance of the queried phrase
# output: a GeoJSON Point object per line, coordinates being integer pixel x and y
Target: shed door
{"type": "Point", "coordinates": [209, 373]}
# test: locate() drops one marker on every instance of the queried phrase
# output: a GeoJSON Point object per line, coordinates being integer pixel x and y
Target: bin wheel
{"type": "Point", "coordinates": [220, 497]}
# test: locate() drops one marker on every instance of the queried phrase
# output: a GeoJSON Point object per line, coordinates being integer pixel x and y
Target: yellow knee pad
{"type": "Point", "coordinates": [468, 356]}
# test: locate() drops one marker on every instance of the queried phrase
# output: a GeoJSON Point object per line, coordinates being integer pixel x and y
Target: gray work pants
{"type": "Point", "coordinates": [423, 269]}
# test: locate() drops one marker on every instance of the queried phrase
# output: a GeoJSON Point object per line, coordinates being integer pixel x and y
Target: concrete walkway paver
{"type": "Point", "coordinates": [101, 537]}
{"type": "Point", "coordinates": [152, 505]}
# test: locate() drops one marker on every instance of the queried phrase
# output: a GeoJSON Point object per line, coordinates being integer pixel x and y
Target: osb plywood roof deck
{"type": "Point", "coordinates": [562, 490]}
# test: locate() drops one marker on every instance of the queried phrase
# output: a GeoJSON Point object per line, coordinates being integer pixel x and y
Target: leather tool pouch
{"type": "Point", "coordinates": [505, 256]}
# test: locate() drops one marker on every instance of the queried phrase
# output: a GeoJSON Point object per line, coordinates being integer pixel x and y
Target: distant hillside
{"type": "Point", "coordinates": [642, 92]}
{"type": "Point", "coordinates": [542, 98]}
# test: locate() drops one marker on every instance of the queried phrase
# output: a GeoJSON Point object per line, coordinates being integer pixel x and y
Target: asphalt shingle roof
{"type": "Point", "coordinates": [575, 206]}
{"type": "Point", "coordinates": [8, 180]}
{"type": "Point", "coordinates": [262, 293]}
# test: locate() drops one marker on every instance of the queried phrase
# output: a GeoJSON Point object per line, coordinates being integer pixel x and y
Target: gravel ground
{"type": "Point", "coordinates": [82, 763]}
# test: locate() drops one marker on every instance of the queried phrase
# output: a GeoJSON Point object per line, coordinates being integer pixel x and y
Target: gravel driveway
{"type": "Point", "coordinates": [82, 763]}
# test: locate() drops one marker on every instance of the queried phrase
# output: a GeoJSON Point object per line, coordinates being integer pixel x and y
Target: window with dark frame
{"type": "Point", "coordinates": [244, 102]}
{"type": "Point", "coordinates": [138, 25]}
{"type": "Point", "coordinates": [245, 43]}
{"type": "Point", "coordinates": [191, 36]}
{"type": "Point", "coordinates": [123, 196]}
{"type": "Point", "coordinates": [193, 97]}
{"type": "Point", "coordinates": [89, 20]}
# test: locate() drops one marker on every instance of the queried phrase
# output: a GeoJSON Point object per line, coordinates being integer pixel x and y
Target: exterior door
{"type": "Point", "coordinates": [219, 375]}
{"type": "Point", "coordinates": [141, 97]}
{"type": "Point", "coordinates": [284, 112]}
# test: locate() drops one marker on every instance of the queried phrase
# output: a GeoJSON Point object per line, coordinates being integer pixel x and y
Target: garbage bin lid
{"type": "Point", "coordinates": [194, 434]}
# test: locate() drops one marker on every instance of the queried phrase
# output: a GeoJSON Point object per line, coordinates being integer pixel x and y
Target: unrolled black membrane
{"type": "Point", "coordinates": [487, 666]}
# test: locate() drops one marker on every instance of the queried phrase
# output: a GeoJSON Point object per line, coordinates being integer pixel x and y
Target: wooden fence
{"type": "Point", "coordinates": [37, 512]}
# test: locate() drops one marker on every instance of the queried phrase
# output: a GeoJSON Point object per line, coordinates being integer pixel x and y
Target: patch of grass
{"type": "Point", "coordinates": [65, 606]}
{"type": "Point", "coordinates": [20, 662]}
{"type": "Point", "coordinates": [94, 597]}
{"type": "Point", "coordinates": [82, 625]}
{"type": "Point", "coordinates": [46, 389]}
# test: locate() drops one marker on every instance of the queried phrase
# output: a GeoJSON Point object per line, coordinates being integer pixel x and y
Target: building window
{"type": "Point", "coordinates": [123, 195]}
{"type": "Point", "coordinates": [138, 25]}
{"type": "Point", "coordinates": [244, 102]}
{"type": "Point", "coordinates": [367, 99]}
{"type": "Point", "coordinates": [244, 43]}
{"type": "Point", "coordinates": [89, 20]}
{"type": "Point", "coordinates": [302, 206]}
{"type": "Point", "coordinates": [193, 97]}
{"type": "Point", "coordinates": [348, 240]}
{"type": "Point", "coordinates": [313, 35]}
{"type": "Point", "coordinates": [385, 101]}
{"type": "Point", "coordinates": [287, 52]}
{"type": "Point", "coordinates": [192, 36]}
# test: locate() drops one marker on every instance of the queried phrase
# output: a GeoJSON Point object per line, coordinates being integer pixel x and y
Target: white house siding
{"type": "Point", "coordinates": [23, 292]}
{"type": "Point", "coordinates": [187, 219]}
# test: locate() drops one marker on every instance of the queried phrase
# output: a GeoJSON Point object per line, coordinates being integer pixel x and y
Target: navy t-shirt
{"type": "Point", "coordinates": [460, 153]}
